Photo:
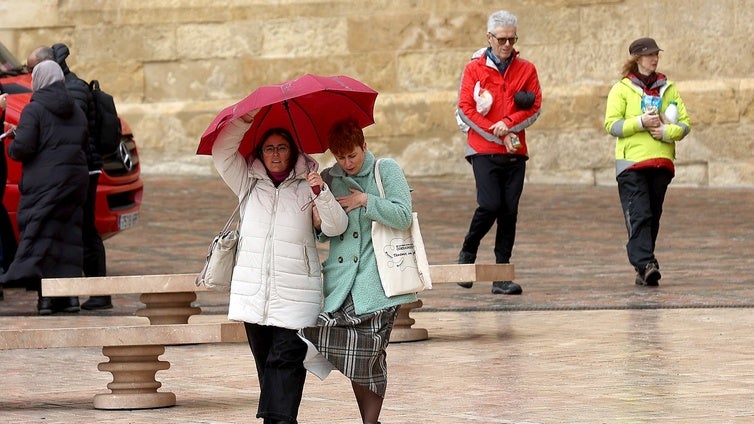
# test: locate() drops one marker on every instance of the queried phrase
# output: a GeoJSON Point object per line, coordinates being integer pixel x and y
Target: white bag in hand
{"type": "Point", "coordinates": [483, 99]}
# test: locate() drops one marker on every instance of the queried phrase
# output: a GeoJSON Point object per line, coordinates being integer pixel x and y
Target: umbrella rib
{"type": "Point", "coordinates": [293, 125]}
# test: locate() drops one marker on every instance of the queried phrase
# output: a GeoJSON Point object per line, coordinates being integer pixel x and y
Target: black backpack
{"type": "Point", "coordinates": [107, 130]}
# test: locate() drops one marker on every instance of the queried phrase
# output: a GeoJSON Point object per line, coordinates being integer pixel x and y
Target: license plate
{"type": "Point", "coordinates": [128, 220]}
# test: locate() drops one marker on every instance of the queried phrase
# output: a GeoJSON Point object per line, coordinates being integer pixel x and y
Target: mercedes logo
{"type": "Point", "coordinates": [125, 156]}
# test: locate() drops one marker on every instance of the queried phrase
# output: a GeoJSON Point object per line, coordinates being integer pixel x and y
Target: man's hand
{"type": "Point", "coordinates": [507, 141]}
{"type": "Point", "coordinates": [499, 129]}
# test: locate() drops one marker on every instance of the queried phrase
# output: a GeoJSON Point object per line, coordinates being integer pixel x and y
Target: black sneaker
{"type": "Point", "coordinates": [66, 304]}
{"type": "Point", "coordinates": [650, 276]}
{"type": "Point", "coordinates": [466, 258]}
{"type": "Point", "coordinates": [44, 306]}
{"type": "Point", "coordinates": [506, 287]}
{"type": "Point", "coordinates": [98, 302]}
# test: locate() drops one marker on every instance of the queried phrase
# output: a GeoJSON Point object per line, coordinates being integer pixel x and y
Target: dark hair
{"type": "Point", "coordinates": [282, 132]}
{"type": "Point", "coordinates": [344, 136]}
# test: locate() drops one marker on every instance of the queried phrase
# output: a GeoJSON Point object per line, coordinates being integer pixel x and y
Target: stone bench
{"type": "Point", "coordinates": [133, 352]}
{"type": "Point", "coordinates": [403, 330]}
{"type": "Point", "coordinates": [167, 297]}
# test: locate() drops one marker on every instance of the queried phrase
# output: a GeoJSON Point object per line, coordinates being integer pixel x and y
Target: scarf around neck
{"type": "Point", "coordinates": [278, 177]}
{"type": "Point", "coordinates": [501, 65]}
{"type": "Point", "coordinates": [651, 83]}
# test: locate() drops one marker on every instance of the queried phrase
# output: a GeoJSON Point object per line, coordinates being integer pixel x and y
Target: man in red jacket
{"type": "Point", "coordinates": [499, 97]}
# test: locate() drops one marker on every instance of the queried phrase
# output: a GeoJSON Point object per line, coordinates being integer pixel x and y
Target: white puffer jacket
{"type": "Point", "coordinates": [277, 278]}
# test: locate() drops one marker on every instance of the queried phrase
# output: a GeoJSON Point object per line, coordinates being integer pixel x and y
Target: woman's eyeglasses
{"type": "Point", "coordinates": [281, 149]}
{"type": "Point", "coordinates": [503, 40]}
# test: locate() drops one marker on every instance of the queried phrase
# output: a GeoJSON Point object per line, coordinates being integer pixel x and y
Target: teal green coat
{"type": "Point", "coordinates": [351, 266]}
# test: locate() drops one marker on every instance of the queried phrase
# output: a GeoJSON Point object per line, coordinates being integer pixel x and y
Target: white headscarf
{"type": "Point", "coordinates": [45, 73]}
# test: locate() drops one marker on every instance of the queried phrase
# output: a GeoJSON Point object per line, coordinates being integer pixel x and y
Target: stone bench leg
{"type": "Point", "coordinates": [134, 385]}
{"type": "Point", "coordinates": [403, 330]}
{"type": "Point", "coordinates": [168, 308]}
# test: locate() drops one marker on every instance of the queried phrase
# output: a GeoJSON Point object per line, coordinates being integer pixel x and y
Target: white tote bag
{"type": "Point", "coordinates": [401, 258]}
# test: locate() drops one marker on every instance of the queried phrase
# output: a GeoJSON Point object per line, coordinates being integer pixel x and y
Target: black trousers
{"type": "Point", "coordinates": [642, 194]}
{"type": "Point", "coordinates": [95, 264]}
{"type": "Point", "coordinates": [499, 184]}
{"type": "Point", "coordinates": [279, 356]}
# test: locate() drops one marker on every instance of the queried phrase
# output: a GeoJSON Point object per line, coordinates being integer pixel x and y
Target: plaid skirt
{"type": "Point", "coordinates": [355, 344]}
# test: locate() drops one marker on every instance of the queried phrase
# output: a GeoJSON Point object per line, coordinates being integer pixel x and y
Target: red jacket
{"type": "Point", "coordinates": [520, 75]}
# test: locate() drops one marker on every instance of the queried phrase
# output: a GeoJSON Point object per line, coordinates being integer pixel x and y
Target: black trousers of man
{"type": "Point", "coordinates": [642, 194]}
{"type": "Point", "coordinates": [95, 264]}
{"type": "Point", "coordinates": [499, 184]}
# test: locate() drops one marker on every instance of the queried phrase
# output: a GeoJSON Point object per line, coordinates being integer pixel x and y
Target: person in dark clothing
{"type": "Point", "coordinates": [95, 264]}
{"type": "Point", "coordinates": [49, 142]}
{"type": "Point", "coordinates": [7, 235]}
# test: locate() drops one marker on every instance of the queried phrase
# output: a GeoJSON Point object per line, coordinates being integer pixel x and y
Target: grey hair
{"type": "Point", "coordinates": [42, 53]}
{"type": "Point", "coordinates": [501, 19]}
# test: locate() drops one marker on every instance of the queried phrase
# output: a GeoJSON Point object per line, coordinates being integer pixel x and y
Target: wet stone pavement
{"type": "Point", "coordinates": [569, 253]}
{"type": "Point", "coordinates": [581, 344]}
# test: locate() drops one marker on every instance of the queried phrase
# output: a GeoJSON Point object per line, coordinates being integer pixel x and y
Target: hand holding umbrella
{"type": "Point", "coordinates": [249, 117]}
{"type": "Point", "coordinates": [315, 182]}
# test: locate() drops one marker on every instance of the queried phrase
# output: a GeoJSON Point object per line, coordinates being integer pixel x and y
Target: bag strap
{"type": "Point", "coordinates": [378, 178]}
{"type": "Point", "coordinates": [236, 215]}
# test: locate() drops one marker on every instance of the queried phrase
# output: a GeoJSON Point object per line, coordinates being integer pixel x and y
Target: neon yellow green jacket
{"type": "Point", "coordinates": [634, 143]}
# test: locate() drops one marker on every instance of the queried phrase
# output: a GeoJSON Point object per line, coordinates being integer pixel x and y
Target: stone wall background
{"type": "Point", "coordinates": [173, 64]}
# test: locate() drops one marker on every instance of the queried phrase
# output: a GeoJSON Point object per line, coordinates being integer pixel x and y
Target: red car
{"type": "Point", "coordinates": [120, 187]}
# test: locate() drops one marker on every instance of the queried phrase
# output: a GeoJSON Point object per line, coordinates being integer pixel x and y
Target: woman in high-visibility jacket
{"type": "Point", "coordinates": [639, 113]}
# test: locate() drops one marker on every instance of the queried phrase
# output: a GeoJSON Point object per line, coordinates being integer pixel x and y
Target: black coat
{"type": "Point", "coordinates": [7, 234]}
{"type": "Point", "coordinates": [82, 95]}
{"type": "Point", "coordinates": [49, 143]}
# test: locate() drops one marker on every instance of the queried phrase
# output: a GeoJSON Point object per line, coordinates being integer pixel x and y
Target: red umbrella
{"type": "Point", "coordinates": [308, 106]}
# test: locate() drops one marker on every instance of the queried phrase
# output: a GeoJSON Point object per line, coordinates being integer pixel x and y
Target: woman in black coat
{"type": "Point", "coordinates": [7, 235]}
{"type": "Point", "coordinates": [49, 143]}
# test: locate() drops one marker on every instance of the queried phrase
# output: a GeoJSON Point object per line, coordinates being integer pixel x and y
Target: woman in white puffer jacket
{"type": "Point", "coordinates": [276, 287]}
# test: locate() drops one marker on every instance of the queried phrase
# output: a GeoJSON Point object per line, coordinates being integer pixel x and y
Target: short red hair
{"type": "Point", "coordinates": [345, 136]}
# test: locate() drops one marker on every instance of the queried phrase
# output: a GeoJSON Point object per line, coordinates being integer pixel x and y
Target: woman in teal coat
{"type": "Point", "coordinates": [354, 329]}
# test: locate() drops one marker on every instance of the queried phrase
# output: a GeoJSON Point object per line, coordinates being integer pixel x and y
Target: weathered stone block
{"type": "Point", "coordinates": [731, 174]}
{"type": "Point", "coordinates": [193, 80]}
{"type": "Point", "coordinates": [304, 38]}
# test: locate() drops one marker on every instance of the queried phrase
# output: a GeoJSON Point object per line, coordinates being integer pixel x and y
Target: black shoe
{"type": "Point", "coordinates": [44, 305]}
{"type": "Point", "coordinates": [650, 276]}
{"type": "Point", "coordinates": [1, 292]}
{"type": "Point", "coordinates": [506, 287]}
{"type": "Point", "coordinates": [66, 304]}
{"type": "Point", "coordinates": [98, 302]}
{"type": "Point", "coordinates": [466, 258]}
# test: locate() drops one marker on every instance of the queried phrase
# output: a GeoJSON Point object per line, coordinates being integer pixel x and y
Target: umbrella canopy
{"type": "Point", "coordinates": [307, 106]}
